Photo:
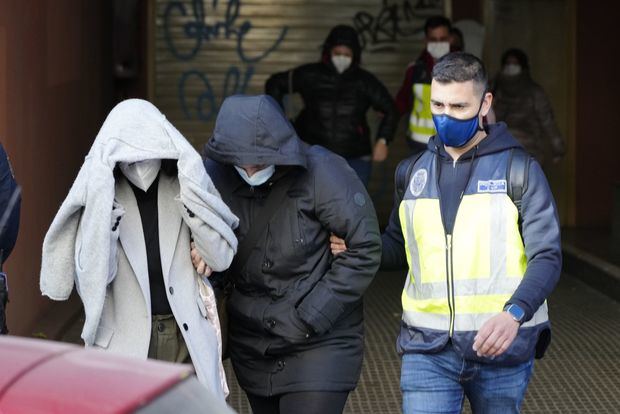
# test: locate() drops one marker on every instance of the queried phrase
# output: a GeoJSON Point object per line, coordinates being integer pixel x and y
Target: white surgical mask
{"type": "Point", "coordinates": [259, 177]}
{"type": "Point", "coordinates": [438, 49]}
{"type": "Point", "coordinates": [511, 69]}
{"type": "Point", "coordinates": [142, 174]}
{"type": "Point", "coordinates": [341, 62]}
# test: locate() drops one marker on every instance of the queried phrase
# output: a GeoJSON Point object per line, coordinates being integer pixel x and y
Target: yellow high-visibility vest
{"type": "Point", "coordinates": [421, 126]}
{"type": "Point", "coordinates": [456, 282]}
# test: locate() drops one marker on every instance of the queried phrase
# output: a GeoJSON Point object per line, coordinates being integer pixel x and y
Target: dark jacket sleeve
{"type": "Point", "coordinates": [404, 97]}
{"type": "Point", "coordinates": [277, 86]}
{"type": "Point", "coordinates": [549, 128]}
{"type": "Point", "coordinates": [393, 256]}
{"type": "Point", "coordinates": [381, 101]}
{"type": "Point", "coordinates": [8, 187]}
{"type": "Point", "coordinates": [343, 207]}
{"type": "Point", "coordinates": [541, 236]}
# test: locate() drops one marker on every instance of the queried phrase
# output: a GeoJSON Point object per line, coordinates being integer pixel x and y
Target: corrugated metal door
{"type": "Point", "coordinates": [205, 50]}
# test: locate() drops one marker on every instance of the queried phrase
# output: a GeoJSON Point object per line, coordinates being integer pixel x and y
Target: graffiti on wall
{"type": "Point", "coordinates": [200, 33]}
{"type": "Point", "coordinates": [395, 20]}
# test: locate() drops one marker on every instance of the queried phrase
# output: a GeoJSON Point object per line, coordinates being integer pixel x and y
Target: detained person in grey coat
{"type": "Point", "coordinates": [122, 237]}
{"type": "Point", "coordinates": [295, 311]}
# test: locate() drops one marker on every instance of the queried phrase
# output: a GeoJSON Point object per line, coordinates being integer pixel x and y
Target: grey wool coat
{"type": "Point", "coordinates": [108, 262]}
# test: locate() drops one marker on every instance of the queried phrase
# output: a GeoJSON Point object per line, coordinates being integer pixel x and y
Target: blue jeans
{"type": "Point", "coordinates": [363, 167]}
{"type": "Point", "coordinates": [438, 383]}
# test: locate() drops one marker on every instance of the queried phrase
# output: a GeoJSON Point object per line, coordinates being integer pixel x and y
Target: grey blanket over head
{"type": "Point", "coordinates": [135, 130]}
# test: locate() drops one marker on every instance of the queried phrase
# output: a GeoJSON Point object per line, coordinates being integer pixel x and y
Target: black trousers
{"type": "Point", "coordinates": [317, 402]}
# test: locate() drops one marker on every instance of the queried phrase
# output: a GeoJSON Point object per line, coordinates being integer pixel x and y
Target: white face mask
{"type": "Point", "coordinates": [259, 177]}
{"type": "Point", "coordinates": [141, 173]}
{"type": "Point", "coordinates": [438, 49]}
{"type": "Point", "coordinates": [341, 62]}
{"type": "Point", "coordinates": [512, 69]}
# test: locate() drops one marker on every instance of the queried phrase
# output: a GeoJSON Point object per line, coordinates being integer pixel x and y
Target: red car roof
{"type": "Point", "coordinates": [39, 376]}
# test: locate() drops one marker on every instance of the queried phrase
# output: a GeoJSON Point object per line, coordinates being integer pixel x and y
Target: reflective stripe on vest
{"type": "Point", "coordinates": [458, 282]}
{"type": "Point", "coordinates": [421, 126]}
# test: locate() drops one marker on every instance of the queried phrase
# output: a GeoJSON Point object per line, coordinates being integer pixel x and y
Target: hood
{"type": "Point", "coordinates": [343, 35]}
{"type": "Point", "coordinates": [498, 139]}
{"type": "Point", "coordinates": [253, 130]}
{"type": "Point", "coordinates": [135, 130]}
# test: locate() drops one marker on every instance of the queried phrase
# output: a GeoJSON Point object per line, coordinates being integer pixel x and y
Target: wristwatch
{"type": "Point", "coordinates": [516, 312]}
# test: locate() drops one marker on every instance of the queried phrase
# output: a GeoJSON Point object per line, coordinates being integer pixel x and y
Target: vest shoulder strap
{"type": "Point", "coordinates": [403, 173]}
{"type": "Point", "coordinates": [517, 177]}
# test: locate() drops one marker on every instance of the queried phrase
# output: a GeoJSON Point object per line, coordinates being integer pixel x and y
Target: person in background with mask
{"type": "Point", "coordinates": [479, 270]}
{"type": "Point", "coordinates": [122, 237]}
{"type": "Point", "coordinates": [523, 105]}
{"type": "Point", "coordinates": [337, 93]}
{"type": "Point", "coordinates": [295, 313]}
{"type": "Point", "coordinates": [414, 93]}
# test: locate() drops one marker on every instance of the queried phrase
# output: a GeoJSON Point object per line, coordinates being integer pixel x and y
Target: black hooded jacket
{"type": "Point", "coordinates": [335, 105]}
{"type": "Point", "coordinates": [296, 317]}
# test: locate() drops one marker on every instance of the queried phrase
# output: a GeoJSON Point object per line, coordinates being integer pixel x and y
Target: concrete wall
{"type": "Point", "coordinates": [54, 94]}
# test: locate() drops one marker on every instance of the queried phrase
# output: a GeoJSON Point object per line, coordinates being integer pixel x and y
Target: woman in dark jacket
{"type": "Point", "coordinates": [337, 93]}
{"type": "Point", "coordinates": [296, 315]}
{"type": "Point", "coordinates": [522, 104]}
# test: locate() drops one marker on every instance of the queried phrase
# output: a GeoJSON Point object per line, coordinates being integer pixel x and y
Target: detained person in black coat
{"type": "Point", "coordinates": [337, 93]}
{"type": "Point", "coordinates": [296, 314]}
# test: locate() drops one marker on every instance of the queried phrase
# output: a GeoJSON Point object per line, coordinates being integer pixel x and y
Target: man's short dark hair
{"type": "Point", "coordinates": [435, 22]}
{"type": "Point", "coordinates": [460, 67]}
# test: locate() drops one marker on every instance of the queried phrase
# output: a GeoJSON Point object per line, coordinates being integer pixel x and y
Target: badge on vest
{"type": "Point", "coordinates": [418, 182]}
{"type": "Point", "coordinates": [492, 186]}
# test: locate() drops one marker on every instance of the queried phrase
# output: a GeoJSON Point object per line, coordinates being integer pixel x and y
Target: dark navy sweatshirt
{"type": "Point", "coordinates": [540, 229]}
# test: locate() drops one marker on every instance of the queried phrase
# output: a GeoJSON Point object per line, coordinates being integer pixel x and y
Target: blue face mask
{"type": "Point", "coordinates": [456, 132]}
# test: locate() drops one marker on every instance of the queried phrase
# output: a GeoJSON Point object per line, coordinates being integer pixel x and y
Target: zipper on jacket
{"type": "Point", "coordinates": [450, 283]}
{"type": "Point", "coordinates": [448, 236]}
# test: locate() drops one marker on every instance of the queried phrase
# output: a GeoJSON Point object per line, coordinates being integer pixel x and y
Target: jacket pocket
{"type": "Point", "coordinates": [281, 319]}
{"type": "Point", "coordinates": [301, 241]}
{"type": "Point", "coordinates": [296, 221]}
{"type": "Point", "coordinates": [103, 337]}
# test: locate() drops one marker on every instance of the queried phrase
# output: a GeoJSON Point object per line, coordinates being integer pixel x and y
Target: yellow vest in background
{"type": "Point", "coordinates": [421, 126]}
